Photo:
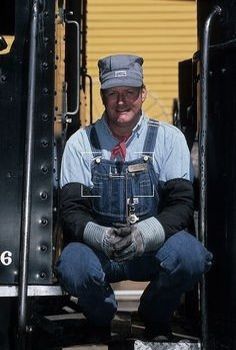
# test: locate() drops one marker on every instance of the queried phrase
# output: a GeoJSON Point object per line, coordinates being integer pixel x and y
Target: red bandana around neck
{"type": "Point", "coordinates": [120, 149]}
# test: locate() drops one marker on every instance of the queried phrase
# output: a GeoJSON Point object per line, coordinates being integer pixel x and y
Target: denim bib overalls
{"type": "Point", "coordinates": [127, 192]}
{"type": "Point", "coordinates": [124, 192]}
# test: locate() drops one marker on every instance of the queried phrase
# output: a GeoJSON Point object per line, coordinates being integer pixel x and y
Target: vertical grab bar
{"type": "Point", "coordinates": [90, 98]}
{"type": "Point", "coordinates": [77, 25]}
{"type": "Point", "coordinates": [27, 189]}
{"type": "Point", "coordinates": [203, 158]}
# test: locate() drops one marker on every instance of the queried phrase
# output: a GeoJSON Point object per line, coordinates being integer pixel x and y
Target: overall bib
{"type": "Point", "coordinates": [125, 192]}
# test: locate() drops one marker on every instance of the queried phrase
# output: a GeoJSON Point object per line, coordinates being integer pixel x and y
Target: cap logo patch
{"type": "Point", "coordinates": [120, 73]}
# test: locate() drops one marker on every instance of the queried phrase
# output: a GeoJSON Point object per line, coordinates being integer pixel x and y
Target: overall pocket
{"type": "Point", "coordinates": [143, 189]}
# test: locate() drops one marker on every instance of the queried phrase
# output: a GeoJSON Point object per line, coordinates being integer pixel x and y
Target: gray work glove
{"type": "Point", "coordinates": [103, 238]}
{"type": "Point", "coordinates": [147, 235]}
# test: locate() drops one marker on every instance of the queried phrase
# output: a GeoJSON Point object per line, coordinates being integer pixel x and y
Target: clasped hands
{"type": "Point", "coordinates": [123, 243]}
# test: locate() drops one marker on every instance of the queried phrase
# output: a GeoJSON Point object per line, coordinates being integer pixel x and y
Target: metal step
{"type": "Point", "coordinates": [180, 345]}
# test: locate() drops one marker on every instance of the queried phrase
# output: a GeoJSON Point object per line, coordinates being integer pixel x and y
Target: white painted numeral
{"type": "Point", "coordinates": [6, 258]}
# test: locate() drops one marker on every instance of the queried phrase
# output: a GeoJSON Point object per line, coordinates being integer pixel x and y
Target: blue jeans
{"type": "Point", "coordinates": [175, 268]}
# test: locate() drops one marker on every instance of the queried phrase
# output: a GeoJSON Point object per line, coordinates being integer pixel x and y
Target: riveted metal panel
{"type": "Point", "coordinates": [13, 100]}
{"type": "Point", "coordinates": [41, 245]}
{"type": "Point", "coordinates": [221, 173]}
{"type": "Point", "coordinates": [13, 92]}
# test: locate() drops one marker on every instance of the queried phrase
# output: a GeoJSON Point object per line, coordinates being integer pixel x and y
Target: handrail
{"type": "Point", "coordinates": [27, 189]}
{"type": "Point", "coordinates": [76, 110]}
{"type": "Point", "coordinates": [90, 98]}
{"type": "Point", "coordinates": [203, 159]}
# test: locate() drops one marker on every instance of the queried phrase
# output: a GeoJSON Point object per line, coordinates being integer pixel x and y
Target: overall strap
{"type": "Point", "coordinates": [94, 141]}
{"type": "Point", "coordinates": [150, 140]}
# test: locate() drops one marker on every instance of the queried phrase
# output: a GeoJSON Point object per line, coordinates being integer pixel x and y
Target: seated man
{"type": "Point", "coordinates": [127, 201]}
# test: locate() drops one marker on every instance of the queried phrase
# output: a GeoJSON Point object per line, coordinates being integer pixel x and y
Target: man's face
{"type": "Point", "coordinates": [123, 105]}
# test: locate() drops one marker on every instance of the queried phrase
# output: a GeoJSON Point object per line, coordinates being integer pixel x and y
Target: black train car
{"type": "Point", "coordinates": [27, 80]}
{"type": "Point", "coordinates": [30, 136]}
{"type": "Point", "coordinates": [207, 113]}
{"type": "Point", "coordinates": [221, 172]}
{"type": "Point", "coordinates": [33, 130]}
{"type": "Point", "coordinates": [40, 88]}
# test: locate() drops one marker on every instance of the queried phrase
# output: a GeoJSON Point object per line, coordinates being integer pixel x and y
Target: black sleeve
{"type": "Point", "coordinates": [177, 206]}
{"type": "Point", "coordinates": [76, 211]}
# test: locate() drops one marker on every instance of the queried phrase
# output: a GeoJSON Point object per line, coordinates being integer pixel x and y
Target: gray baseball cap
{"type": "Point", "coordinates": [120, 70]}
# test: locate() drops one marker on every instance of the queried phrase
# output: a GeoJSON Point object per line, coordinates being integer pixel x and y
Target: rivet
{"type": "Point", "coordinates": [98, 160]}
{"type": "Point", "coordinates": [45, 91]}
{"type": "Point", "coordinates": [44, 143]}
{"type": "Point", "coordinates": [46, 39]}
{"type": "Point", "coordinates": [145, 158]}
{"type": "Point", "coordinates": [44, 195]}
{"type": "Point", "coordinates": [44, 117]}
{"type": "Point", "coordinates": [44, 221]}
{"type": "Point", "coordinates": [29, 329]}
{"type": "Point", "coordinates": [3, 78]}
{"type": "Point", "coordinates": [44, 169]}
{"type": "Point", "coordinates": [42, 275]}
{"type": "Point", "coordinates": [45, 65]}
{"type": "Point", "coordinates": [43, 248]}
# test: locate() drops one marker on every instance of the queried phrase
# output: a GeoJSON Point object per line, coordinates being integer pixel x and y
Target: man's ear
{"type": "Point", "coordinates": [144, 93]}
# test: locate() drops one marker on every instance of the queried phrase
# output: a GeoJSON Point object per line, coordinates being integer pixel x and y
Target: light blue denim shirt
{"type": "Point", "coordinates": [171, 158]}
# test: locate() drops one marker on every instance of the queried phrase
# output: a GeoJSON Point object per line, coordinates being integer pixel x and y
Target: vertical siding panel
{"type": "Point", "coordinates": [162, 31]}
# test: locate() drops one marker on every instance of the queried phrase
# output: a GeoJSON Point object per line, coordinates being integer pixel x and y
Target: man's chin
{"type": "Point", "coordinates": [123, 117]}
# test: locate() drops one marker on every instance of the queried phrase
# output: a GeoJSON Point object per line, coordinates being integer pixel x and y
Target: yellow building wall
{"type": "Point", "coordinates": [163, 32]}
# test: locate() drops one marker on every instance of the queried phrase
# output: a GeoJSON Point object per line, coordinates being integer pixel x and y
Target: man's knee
{"type": "Point", "coordinates": [184, 258]}
{"type": "Point", "coordinates": [78, 266]}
